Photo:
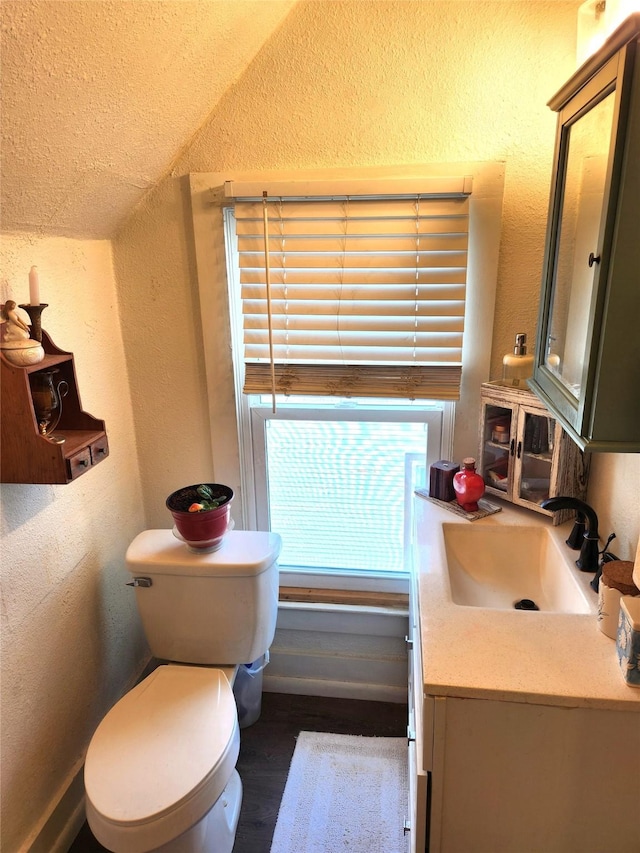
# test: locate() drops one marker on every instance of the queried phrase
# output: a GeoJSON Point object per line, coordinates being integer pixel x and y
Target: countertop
{"type": "Point", "coordinates": [542, 658]}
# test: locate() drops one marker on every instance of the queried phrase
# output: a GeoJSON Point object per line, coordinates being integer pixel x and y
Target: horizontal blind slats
{"type": "Point", "coordinates": [374, 296]}
{"type": "Point", "coordinates": [382, 209]}
{"type": "Point", "coordinates": [407, 382]}
{"type": "Point", "coordinates": [370, 260]}
{"type": "Point", "coordinates": [335, 315]}
{"type": "Point", "coordinates": [354, 284]}
{"type": "Point", "coordinates": [327, 354]}
{"type": "Point", "coordinates": [248, 228]}
{"type": "Point", "coordinates": [372, 278]}
{"type": "Point", "coordinates": [337, 244]}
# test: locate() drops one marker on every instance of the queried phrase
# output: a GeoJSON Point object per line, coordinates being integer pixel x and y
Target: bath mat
{"type": "Point", "coordinates": [344, 793]}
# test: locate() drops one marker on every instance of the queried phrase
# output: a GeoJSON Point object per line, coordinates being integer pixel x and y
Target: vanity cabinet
{"type": "Point", "coordinates": [587, 364]}
{"type": "Point", "coordinates": [509, 776]}
{"type": "Point", "coordinates": [525, 456]}
{"type": "Point", "coordinates": [416, 823]}
{"type": "Point", "coordinates": [523, 734]}
{"type": "Point", "coordinates": [27, 456]}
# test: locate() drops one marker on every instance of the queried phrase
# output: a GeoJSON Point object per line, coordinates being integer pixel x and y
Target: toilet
{"type": "Point", "coordinates": [160, 769]}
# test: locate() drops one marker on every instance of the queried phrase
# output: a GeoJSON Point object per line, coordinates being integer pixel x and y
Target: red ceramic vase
{"type": "Point", "coordinates": [468, 485]}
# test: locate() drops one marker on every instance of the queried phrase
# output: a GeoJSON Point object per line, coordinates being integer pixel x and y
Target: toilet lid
{"type": "Point", "coordinates": [243, 553]}
{"type": "Point", "coordinates": [170, 744]}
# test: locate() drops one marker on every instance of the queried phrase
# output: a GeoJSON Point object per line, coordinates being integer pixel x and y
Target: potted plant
{"type": "Point", "coordinates": [201, 514]}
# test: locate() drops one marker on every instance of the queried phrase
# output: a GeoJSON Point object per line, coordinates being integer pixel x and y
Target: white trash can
{"type": "Point", "coordinates": [247, 690]}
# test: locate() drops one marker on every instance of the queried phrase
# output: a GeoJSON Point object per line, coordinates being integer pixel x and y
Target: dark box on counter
{"type": "Point", "coordinates": [441, 480]}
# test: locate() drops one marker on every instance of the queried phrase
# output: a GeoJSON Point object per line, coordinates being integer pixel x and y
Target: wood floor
{"type": "Point", "coordinates": [265, 754]}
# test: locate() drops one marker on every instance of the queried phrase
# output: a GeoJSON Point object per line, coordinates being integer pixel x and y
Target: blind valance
{"type": "Point", "coordinates": [361, 296]}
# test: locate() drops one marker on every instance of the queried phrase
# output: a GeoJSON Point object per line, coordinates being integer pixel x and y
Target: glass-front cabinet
{"type": "Point", "coordinates": [525, 456]}
{"type": "Point", "coordinates": [587, 368]}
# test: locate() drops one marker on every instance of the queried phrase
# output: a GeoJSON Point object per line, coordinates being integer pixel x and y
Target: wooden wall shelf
{"type": "Point", "coordinates": [28, 457]}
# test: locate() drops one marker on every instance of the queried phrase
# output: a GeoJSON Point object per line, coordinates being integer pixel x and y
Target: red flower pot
{"type": "Point", "coordinates": [203, 529]}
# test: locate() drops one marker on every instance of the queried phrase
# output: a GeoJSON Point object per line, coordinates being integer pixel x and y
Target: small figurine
{"type": "Point", "coordinates": [17, 328]}
{"type": "Point", "coordinates": [15, 340]}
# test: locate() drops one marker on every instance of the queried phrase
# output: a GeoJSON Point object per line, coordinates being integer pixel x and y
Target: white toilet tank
{"type": "Point", "coordinates": [216, 608]}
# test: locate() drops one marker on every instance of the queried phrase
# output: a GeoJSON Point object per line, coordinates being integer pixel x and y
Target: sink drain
{"type": "Point", "coordinates": [526, 604]}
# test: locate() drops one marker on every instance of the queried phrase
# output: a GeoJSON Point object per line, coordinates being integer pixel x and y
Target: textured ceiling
{"type": "Point", "coordinates": [99, 97]}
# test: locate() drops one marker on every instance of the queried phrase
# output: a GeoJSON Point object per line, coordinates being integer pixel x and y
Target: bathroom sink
{"type": "Point", "coordinates": [501, 567]}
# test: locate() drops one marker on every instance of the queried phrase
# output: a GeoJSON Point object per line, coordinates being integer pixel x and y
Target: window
{"type": "Point", "coordinates": [241, 423]}
{"type": "Point", "coordinates": [335, 296]}
{"type": "Point", "coordinates": [336, 480]}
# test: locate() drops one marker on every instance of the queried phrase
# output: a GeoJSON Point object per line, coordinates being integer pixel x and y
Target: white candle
{"type": "Point", "coordinates": [34, 287]}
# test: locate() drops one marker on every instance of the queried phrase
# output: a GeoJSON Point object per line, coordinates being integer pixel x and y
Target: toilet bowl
{"type": "Point", "coordinates": [160, 770]}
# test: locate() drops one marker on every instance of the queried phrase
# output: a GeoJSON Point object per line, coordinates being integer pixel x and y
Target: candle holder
{"type": "Point", "coordinates": [35, 312]}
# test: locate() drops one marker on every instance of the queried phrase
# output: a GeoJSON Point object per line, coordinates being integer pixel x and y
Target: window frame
{"type": "Point", "coordinates": [207, 197]}
{"type": "Point", "coordinates": [437, 417]}
{"type": "Point", "coordinates": [253, 482]}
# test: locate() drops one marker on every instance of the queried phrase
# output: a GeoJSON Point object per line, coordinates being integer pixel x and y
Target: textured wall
{"type": "Point", "coordinates": [355, 84]}
{"type": "Point", "coordinates": [385, 83]}
{"type": "Point", "coordinates": [70, 637]}
{"type": "Point", "coordinates": [344, 85]}
{"type": "Point", "coordinates": [98, 98]}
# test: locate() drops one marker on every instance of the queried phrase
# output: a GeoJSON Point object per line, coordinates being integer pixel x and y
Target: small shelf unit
{"type": "Point", "coordinates": [538, 460]}
{"type": "Point", "coordinates": [26, 455]}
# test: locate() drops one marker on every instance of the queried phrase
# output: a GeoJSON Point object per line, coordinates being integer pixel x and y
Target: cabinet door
{"type": "Point", "coordinates": [586, 141]}
{"type": "Point", "coordinates": [497, 444]}
{"type": "Point", "coordinates": [533, 471]}
{"type": "Point", "coordinates": [417, 736]}
{"type": "Point", "coordinates": [517, 777]}
{"type": "Point", "coordinates": [588, 350]}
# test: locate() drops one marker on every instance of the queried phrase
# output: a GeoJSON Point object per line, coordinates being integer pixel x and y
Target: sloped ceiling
{"type": "Point", "coordinates": [100, 96]}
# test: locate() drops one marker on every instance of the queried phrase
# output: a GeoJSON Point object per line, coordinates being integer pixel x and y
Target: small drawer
{"type": "Point", "coordinates": [79, 463]}
{"type": "Point", "coordinates": [99, 450]}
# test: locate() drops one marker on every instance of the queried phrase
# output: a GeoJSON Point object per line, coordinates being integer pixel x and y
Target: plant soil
{"type": "Point", "coordinates": [181, 500]}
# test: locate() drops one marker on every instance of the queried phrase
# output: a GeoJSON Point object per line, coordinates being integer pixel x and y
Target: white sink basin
{"type": "Point", "coordinates": [496, 567]}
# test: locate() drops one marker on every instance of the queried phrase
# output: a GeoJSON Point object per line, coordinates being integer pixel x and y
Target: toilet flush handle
{"type": "Point", "coordinates": [140, 582]}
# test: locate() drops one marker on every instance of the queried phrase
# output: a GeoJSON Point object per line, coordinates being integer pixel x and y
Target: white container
{"type": "Point", "coordinates": [608, 609]}
{"type": "Point", "coordinates": [628, 639]}
{"type": "Point", "coordinates": [247, 689]}
{"type": "Point", "coordinates": [517, 367]}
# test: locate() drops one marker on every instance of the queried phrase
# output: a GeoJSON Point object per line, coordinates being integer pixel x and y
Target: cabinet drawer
{"type": "Point", "coordinates": [79, 463]}
{"type": "Point", "coordinates": [99, 450]}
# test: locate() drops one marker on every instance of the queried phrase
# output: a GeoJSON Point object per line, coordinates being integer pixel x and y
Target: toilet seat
{"type": "Point", "coordinates": [161, 757]}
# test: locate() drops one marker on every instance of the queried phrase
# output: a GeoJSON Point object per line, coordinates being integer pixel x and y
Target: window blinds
{"type": "Point", "coordinates": [366, 296]}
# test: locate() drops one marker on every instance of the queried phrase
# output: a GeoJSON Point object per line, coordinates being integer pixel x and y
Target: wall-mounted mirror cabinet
{"type": "Point", "coordinates": [587, 366]}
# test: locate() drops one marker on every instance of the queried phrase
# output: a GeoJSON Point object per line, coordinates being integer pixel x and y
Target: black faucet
{"type": "Point", "coordinates": [574, 539]}
{"type": "Point", "coordinates": [588, 560]}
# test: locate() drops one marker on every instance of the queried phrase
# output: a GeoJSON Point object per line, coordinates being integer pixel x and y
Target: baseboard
{"type": "Point", "coordinates": [340, 651]}
{"type": "Point", "coordinates": [57, 833]}
{"type": "Point", "coordinates": [334, 689]}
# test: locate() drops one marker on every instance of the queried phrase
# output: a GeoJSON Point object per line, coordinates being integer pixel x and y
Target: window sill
{"type": "Point", "coordinates": [307, 595]}
{"type": "Point", "coordinates": [358, 583]}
